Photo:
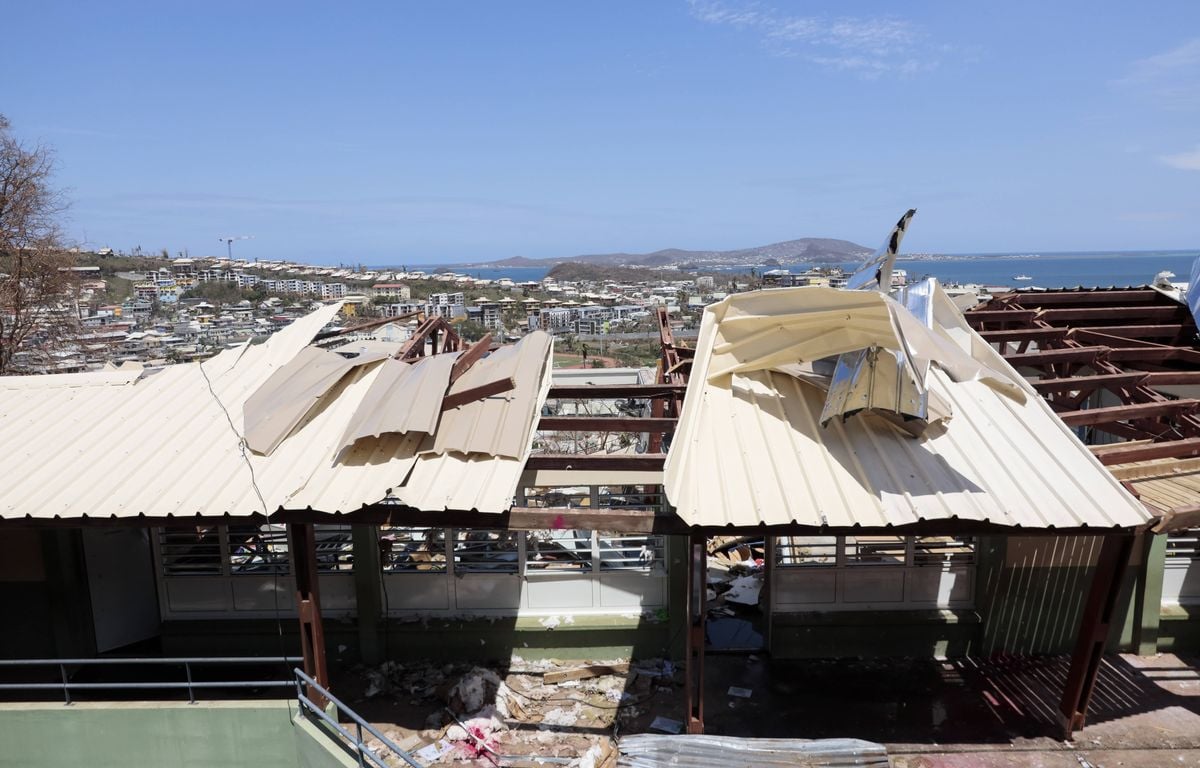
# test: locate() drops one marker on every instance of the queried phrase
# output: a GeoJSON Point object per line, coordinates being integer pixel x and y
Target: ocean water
{"type": "Point", "coordinates": [1049, 270]}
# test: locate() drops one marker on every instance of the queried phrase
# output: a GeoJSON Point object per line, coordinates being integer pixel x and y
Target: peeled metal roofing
{"type": "Point", "coordinates": [282, 402]}
{"type": "Point", "coordinates": [168, 443]}
{"type": "Point", "coordinates": [498, 425]}
{"type": "Point", "coordinates": [749, 450]}
{"type": "Point", "coordinates": [405, 397]}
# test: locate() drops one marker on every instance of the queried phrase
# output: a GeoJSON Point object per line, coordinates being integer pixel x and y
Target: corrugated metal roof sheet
{"type": "Point", "coordinates": [158, 443]}
{"type": "Point", "coordinates": [498, 425]}
{"type": "Point", "coordinates": [405, 397]}
{"type": "Point", "coordinates": [749, 450]}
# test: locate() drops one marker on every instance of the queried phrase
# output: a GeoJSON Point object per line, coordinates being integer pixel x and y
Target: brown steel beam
{"type": "Point", "coordinates": [1089, 383]}
{"type": "Point", "coordinates": [1111, 455]}
{"type": "Point", "coordinates": [1100, 315]}
{"type": "Point", "coordinates": [1169, 378]}
{"type": "Point", "coordinates": [1156, 353]}
{"type": "Point", "coordinates": [499, 386]}
{"type": "Point", "coordinates": [615, 462]}
{"type": "Point", "coordinates": [1128, 412]}
{"type": "Point", "coordinates": [1093, 631]}
{"type": "Point", "coordinates": [1052, 356]}
{"type": "Point", "coordinates": [472, 355]}
{"type": "Point", "coordinates": [614, 391]}
{"type": "Point", "coordinates": [1167, 331]}
{"type": "Point", "coordinates": [1086, 297]}
{"type": "Point", "coordinates": [697, 586]}
{"type": "Point", "coordinates": [606, 424]}
{"type": "Point", "coordinates": [979, 316]}
{"type": "Point", "coordinates": [308, 604]}
{"type": "Point", "coordinates": [1025, 334]}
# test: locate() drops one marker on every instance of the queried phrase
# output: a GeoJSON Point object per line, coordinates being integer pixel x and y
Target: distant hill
{"type": "Point", "coordinates": [801, 251]}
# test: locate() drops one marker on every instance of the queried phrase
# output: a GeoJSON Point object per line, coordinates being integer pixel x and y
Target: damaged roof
{"type": "Point", "coordinates": [750, 449]}
{"type": "Point", "coordinates": [169, 442]}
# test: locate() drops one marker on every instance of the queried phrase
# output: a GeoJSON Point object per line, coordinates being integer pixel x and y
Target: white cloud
{"type": "Point", "coordinates": [1184, 161]}
{"type": "Point", "coordinates": [869, 47]}
{"type": "Point", "coordinates": [1171, 78]}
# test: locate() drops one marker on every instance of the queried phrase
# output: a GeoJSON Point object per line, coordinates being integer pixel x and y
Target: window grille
{"type": "Point", "coordinates": [558, 550]}
{"type": "Point", "coordinates": [632, 552]}
{"type": "Point", "coordinates": [190, 551]}
{"type": "Point", "coordinates": [943, 550]}
{"type": "Point", "coordinates": [800, 551]}
{"type": "Point", "coordinates": [258, 549]}
{"type": "Point", "coordinates": [335, 548]}
{"type": "Point", "coordinates": [1183, 545]}
{"type": "Point", "coordinates": [483, 551]}
{"type": "Point", "coordinates": [875, 550]}
{"type": "Point", "coordinates": [413, 550]}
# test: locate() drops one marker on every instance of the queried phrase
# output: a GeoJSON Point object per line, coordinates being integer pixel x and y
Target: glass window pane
{"type": "Point", "coordinates": [482, 551]}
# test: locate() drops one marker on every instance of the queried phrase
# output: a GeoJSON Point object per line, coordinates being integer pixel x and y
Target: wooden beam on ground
{"type": "Point", "coordinates": [614, 391]}
{"type": "Point", "coordinates": [1111, 414]}
{"type": "Point", "coordinates": [1054, 356]}
{"type": "Point", "coordinates": [1110, 455]}
{"type": "Point", "coordinates": [497, 387]}
{"type": "Point", "coordinates": [1093, 631]}
{"type": "Point", "coordinates": [606, 424]}
{"type": "Point", "coordinates": [1089, 383]}
{"type": "Point", "coordinates": [583, 673]}
{"type": "Point", "coordinates": [646, 462]}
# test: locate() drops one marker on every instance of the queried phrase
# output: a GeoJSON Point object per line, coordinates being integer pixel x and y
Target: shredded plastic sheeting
{"type": "Point", "coordinates": [651, 750]}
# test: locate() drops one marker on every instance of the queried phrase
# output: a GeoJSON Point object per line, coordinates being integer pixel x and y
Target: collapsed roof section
{"type": "Point", "coordinates": [1122, 367]}
{"type": "Point", "coordinates": [750, 449]}
{"type": "Point", "coordinates": [330, 435]}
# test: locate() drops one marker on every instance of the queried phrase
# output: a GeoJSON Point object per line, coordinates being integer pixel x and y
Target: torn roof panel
{"type": "Point", "coordinates": [405, 397]}
{"type": "Point", "coordinates": [168, 443]}
{"type": "Point", "coordinates": [749, 450]}
{"type": "Point", "coordinates": [499, 425]}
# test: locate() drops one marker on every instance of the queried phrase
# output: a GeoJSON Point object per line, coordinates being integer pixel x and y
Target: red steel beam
{"type": "Point", "coordinates": [1051, 356]}
{"type": "Point", "coordinates": [606, 424]}
{"type": "Point", "coordinates": [1100, 315]}
{"type": "Point", "coordinates": [1088, 383]}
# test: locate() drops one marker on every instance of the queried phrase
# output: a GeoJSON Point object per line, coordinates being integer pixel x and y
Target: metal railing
{"type": "Point", "coordinates": [66, 685]}
{"type": "Point", "coordinates": [353, 740]}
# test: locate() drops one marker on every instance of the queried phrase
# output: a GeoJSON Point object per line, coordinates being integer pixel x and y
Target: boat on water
{"type": "Point", "coordinates": [1022, 277]}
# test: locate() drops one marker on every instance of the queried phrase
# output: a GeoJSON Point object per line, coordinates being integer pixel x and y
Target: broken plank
{"type": "Point", "coordinates": [582, 673]}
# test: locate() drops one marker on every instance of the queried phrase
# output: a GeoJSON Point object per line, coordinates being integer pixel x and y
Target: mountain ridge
{"type": "Point", "coordinates": [800, 250]}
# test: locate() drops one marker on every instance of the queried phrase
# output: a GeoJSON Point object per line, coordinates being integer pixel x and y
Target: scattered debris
{"type": "Point", "coordinates": [745, 590]}
{"type": "Point", "coordinates": [741, 693]}
{"type": "Point", "coordinates": [666, 725]}
{"type": "Point", "coordinates": [550, 622]}
{"type": "Point", "coordinates": [431, 753]}
{"type": "Point", "coordinates": [580, 673]}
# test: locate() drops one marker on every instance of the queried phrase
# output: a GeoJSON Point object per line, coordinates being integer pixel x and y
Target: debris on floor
{"type": "Point", "coordinates": [650, 750]}
{"type": "Point", "coordinates": [523, 713]}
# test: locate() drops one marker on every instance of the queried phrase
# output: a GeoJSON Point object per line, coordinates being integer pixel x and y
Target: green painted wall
{"type": "Point", "coordinates": [230, 734]}
{"type": "Point", "coordinates": [842, 634]}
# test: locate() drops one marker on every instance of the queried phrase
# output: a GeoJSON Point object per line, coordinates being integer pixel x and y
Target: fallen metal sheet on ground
{"type": "Point", "coordinates": [647, 750]}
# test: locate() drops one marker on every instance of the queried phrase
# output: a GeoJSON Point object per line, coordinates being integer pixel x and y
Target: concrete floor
{"type": "Point", "coordinates": [966, 712]}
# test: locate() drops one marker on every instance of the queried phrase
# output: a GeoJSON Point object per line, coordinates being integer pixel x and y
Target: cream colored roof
{"type": "Point", "coordinates": [160, 442]}
{"type": "Point", "coordinates": [749, 450]}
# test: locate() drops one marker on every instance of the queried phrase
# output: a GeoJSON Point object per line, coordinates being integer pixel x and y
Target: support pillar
{"type": "Point", "coordinates": [697, 578]}
{"type": "Point", "coordinates": [368, 592]}
{"type": "Point", "coordinates": [308, 605]}
{"type": "Point", "coordinates": [1149, 594]}
{"type": "Point", "coordinates": [1093, 631]}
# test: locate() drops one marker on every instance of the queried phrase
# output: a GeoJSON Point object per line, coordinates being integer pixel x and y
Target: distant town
{"type": "Point", "coordinates": [156, 310]}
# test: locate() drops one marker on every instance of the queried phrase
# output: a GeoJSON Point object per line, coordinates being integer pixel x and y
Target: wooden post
{"type": "Point", "coordinates": [1093, 631]}
{"type": "Point", "coordinates": [697, 579]}
{"type": "Point", "coordinates": [308, 605]}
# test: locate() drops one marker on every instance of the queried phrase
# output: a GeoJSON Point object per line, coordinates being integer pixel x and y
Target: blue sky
{"type": "Point", "coordinates": [454, 131]}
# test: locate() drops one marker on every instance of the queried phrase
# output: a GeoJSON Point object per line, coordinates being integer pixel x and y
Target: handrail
{"type": "Point", "coordinates": [356, 741]}
{"type": "Point", "coordinates": [66, 685]}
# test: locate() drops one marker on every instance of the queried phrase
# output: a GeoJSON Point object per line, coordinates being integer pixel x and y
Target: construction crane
{"type": "Point", "coordinates": [229, 243]}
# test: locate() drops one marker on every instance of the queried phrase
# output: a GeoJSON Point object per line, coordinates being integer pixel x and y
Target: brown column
{"type": "Point", "coordinates": [312, 633]}
{"type": "Point", "coordinates": [697, 578]}
{"type": "Point", "coordinates": [1093, 631]}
